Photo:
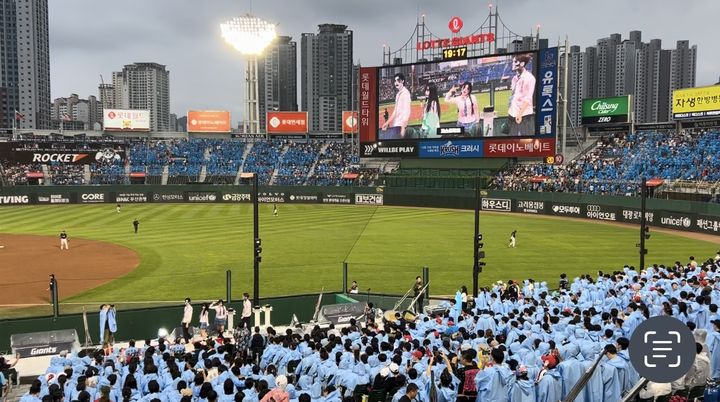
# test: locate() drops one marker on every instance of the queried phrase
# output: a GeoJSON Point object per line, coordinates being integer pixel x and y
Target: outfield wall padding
{"type": "Point", "coordinates": [672, 214]}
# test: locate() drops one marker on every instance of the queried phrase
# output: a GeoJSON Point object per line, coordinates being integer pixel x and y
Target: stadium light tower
{"type": "Point", "coordinates": [250, 36]}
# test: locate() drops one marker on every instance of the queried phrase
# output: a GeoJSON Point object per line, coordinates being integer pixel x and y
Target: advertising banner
{"type": "Point", "coordinates": [368, 104]}
{"type": "Point", "coordinates": [18, 199]}
{"type": "Point", "coordinates": [496, 204]}
{"type": "Point", "coordinates": [567, 209]}
{"type": "Point", "coordinates": [350, 122]}
{"type": "Point", "coordinates": [602, 212]}
{"type": "Point", "coordinates": [547, 82]}
{"type": "Point", "coordinates": [130, 197]}
{"type": "Point", "coordinates": [521, 147]}
{"type": "Point", "coordinates": [55, 198]}
{"type": "Point", "coordinates": [451, 149]}
{"type": "Point", "coordinates": [208, 121]}
{"type": "Point", "coordinates": [287, 122]}
{"type": "Point", "coordinates": [236, 197]}
{"type": "Point", "coordinates": [337, 199]}
{"type": "Point", "coordinates": [303, 198]}
{"type": "Point", "coordinates": [675, 220]}
{"type": "Point", "coordinates": [126, 120]}
{"type": "Point", "coordinates": [170, 196]}
{"type": "Point", "coordinates": [65, 153]}
{"type": "Point", "coordinates": [272, 198]}
{"type": "Point", "coordinates": [389, 149]}
{"type": "Point", "coordinates": [707, 224]}
{"type": "Point", "coordinates": [369, 199]}
{"type": "Point", "coordinates": [696, 103]}
{"type": "Point", "coordinates": [606, 110]}
{"type": "Point", "coordinates": [632, 215]}
{"type": "Point", "coordinates": [530, 207]}
{"type": "Point", "coordinates": [202, 196]}
{"type": "Point", "coordinates": [93, 197]}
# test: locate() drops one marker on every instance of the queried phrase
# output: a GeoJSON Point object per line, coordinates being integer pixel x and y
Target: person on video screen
{"type": "Point", "coordinates": [520, 110]}
{"type": "Point", "coordinates": [468, 114]}
{"type": "Point", "coordinates": [401, 114]}
{"type": "Point", "coordinates": [431, 111]}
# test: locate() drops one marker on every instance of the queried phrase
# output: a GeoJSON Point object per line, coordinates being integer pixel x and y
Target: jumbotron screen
{"type": "Point", "coordinates": [500, 103]}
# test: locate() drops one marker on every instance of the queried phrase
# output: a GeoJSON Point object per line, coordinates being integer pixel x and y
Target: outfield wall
{"type": "Point", "coordinates": [671, 214]}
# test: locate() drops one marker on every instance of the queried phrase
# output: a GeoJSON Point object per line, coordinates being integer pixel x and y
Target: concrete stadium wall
{"type": "Point", "coordinates": [672, 214]}
{"type": "Point", "coordinates": [144, 323]}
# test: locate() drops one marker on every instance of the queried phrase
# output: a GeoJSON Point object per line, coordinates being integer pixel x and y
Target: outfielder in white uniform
{"type": "Point", "coordinates": [512, 239]}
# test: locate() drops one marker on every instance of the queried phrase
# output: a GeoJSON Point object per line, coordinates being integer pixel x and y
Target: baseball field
{"type": "Point", "coordinates": [184, 250]}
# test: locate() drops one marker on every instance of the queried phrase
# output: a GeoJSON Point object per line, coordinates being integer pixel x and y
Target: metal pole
{"type": "Point", "coordinates": [426, 281]}
{"type": "Point", "coordinates": [643, 222]}
{"type": "Point", "coordinates": [345, 277]}
{"type": "Point", "coordinates": [228, 286]}
{"type": "Point", "coordinates": [476, 265]}
{"type": "Point", "coordinates": [55, 298]}
{"type": "Point", "coordinates": [256, 236]}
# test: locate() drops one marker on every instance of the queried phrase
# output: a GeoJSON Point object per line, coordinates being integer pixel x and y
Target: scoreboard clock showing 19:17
{"type": "Point", "coordinates": [454, 53]}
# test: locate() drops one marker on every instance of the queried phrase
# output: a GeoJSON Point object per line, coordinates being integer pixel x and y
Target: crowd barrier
{"type": "Point", "coordinates": [672, 214]}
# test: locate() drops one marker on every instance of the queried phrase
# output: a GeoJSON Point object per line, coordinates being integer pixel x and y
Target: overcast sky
{"type": "Point", "coordinates": [93, 37]}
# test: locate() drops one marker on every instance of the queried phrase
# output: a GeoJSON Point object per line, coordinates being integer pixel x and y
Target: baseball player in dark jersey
{"type": "Point", "coordinates": [136, 224]}
{"type": "Point", "coordinates": [64, 241]}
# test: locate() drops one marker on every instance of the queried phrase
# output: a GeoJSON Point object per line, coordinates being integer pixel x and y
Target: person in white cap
{"type": "Point", "coordinates": [278, 394]}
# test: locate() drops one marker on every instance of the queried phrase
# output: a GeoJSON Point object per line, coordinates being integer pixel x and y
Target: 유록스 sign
{"type": "Point", "coordinates": [530, 207]}
{"type": "Point", "coordinates": [350, 122]}
{"type": "Point", "coordinates": [600, 212]}
{"type": "Point", "coordinates": [169, 197]}
{"type": "Point", "coordinates": [92, 198]}
{"type": "Point", "coordinates": [202, 196]}
{"type": "Point", "coordinates": [14, 199]}
{"type": "Point", "coordinates": [126, 120]}
{"type": "Point", "coordinates": [369, 199]}
{"type": "Point", "coordinates": [303, 198]}
{"type": "Point", "coordinates": [208, 121]}
{"type": "Point", "coordinates": [53, 199]}
{"type": "Point", "coordinates": [131, 197]}
{"type": "Point", "coordinates": [389, 149]}
{"type": "Point", "coordinates": [566, 210]}
{"type": "Point", "coordinates": [496, 204]}
{"type": "Point", "coordinates": [287, 122]}
{"type": "Point", "coordinates": [236, 197]}
{"type": "Point", "coordinates": [337, 199]}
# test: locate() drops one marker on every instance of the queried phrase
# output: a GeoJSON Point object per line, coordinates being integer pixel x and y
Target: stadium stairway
{"type": "Point", "coordinates": [46, 174]}
{"type": "Point", "coordinates": [86, 173]}
{"type": "Point", "coordinates": [248, 148]}
{"type": "Point", "coordinates": [203, 173]}
{"type": "Point", "coordinates": [165, 174]}
{"type": "Point", "coordinates": [317, 159]}
{"type": "Point", "coordinates": [279, 163]}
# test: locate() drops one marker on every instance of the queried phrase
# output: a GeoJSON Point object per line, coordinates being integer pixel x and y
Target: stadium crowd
{"type": "Point", "coordinates": [516, 342]}
{"type": "Point", "coordinates": [614, 166]}
{"type": "Point", "coordinates": [277, 162]}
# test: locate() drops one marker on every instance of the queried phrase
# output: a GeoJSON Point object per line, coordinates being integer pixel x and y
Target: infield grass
{"type": "Point", "coordinates": [185, 249]}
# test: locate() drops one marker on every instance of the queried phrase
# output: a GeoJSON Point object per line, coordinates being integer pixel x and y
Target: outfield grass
{"type": "Point", "coordinates": [185, 249]}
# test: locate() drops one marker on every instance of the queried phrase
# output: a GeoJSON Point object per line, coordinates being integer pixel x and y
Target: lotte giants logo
{"type": "Point", "coordinates": [455, 24]}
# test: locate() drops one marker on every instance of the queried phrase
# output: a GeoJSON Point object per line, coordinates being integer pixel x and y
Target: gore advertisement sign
{"type": "Point", "coordinates": [368, 101]}
{"type": "Point", "coordinates": [496, 204]}
{"type": "Point", "coordinates": [130, 197]}
{"type": "Point", "coordinates": [63, 153]}
{"type": "Point", "coordinates": [92, 198]}
{"type": "Point", "coordinates": [513, 148]}
{"type": "Point", "coordinates": [202, 196]}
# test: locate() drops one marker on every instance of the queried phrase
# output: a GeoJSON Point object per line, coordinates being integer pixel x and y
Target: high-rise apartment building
{"type": "Point", "coordinates": [326, 69]}
{"type": "Point", "coordinates": [144, 86]}
{"type": "Point", "coordinates": [24, 63]}
{"type": "Point", "coordinates": [277, 74]}
{"type": "Point", "coordinates": [73, 109]}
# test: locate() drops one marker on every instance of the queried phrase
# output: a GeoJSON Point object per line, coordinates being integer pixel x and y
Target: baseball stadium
{"type": "Point", "coordinates": [493, 251]}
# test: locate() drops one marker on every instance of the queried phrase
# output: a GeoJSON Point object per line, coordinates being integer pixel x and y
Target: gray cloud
{"type": "Point", "coordinates": [90, 37]}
